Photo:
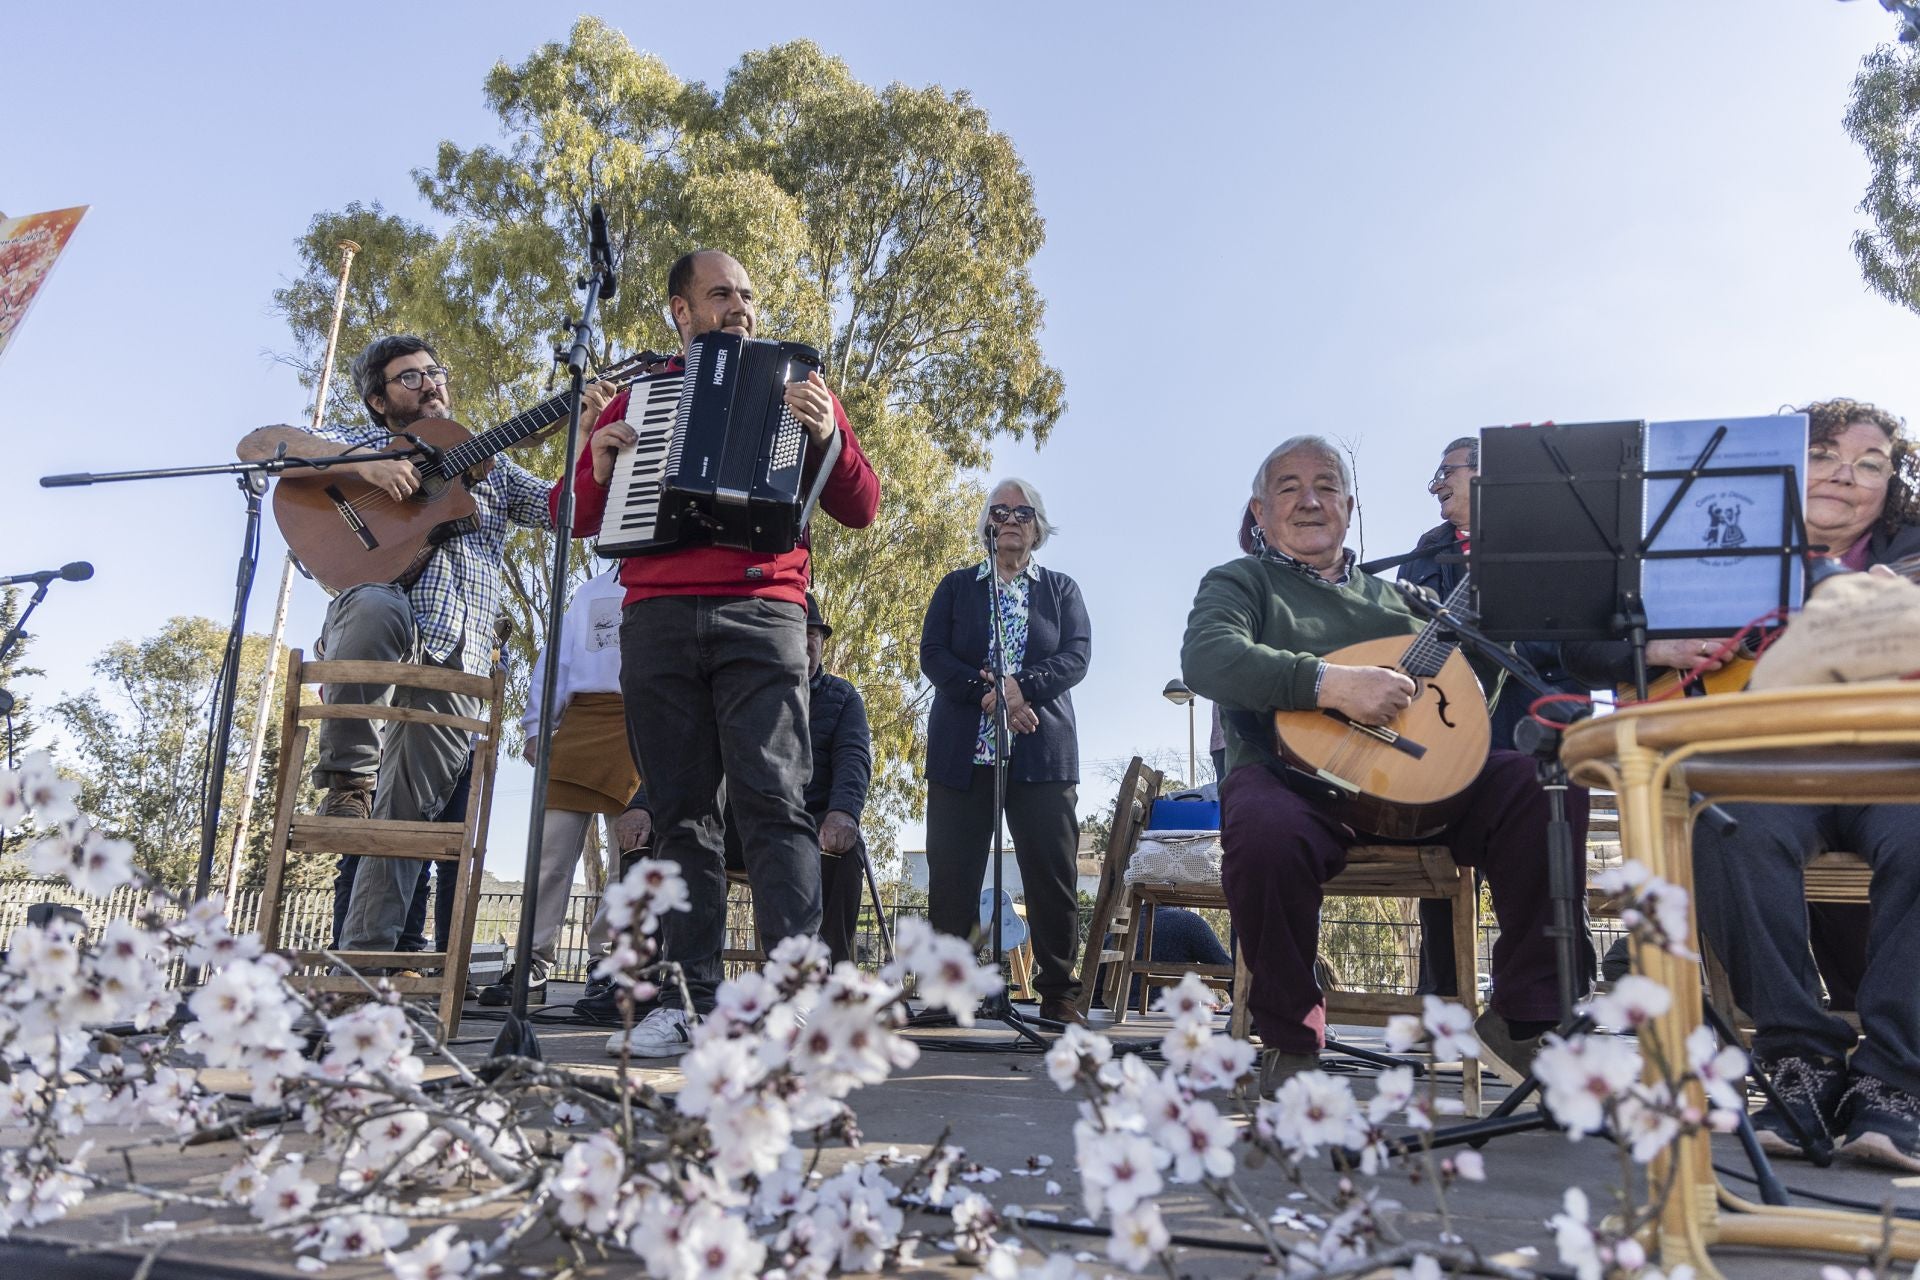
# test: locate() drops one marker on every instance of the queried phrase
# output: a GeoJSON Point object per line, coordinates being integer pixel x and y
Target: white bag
{"type": "Point", "coordinates": [1176, 857]}
{"type": "Point", "coordinates": [1856, 627]}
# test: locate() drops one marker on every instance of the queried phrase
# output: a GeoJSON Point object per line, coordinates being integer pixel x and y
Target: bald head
{"type": "Point", "coordinates": [708, 290]}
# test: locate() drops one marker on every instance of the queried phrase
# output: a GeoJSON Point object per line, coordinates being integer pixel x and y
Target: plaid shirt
{"type": "Point", "coordinates": [457, 596]}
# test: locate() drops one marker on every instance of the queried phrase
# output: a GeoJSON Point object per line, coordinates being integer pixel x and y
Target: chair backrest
{"type": "Point", "coordinates": [1132, 810]}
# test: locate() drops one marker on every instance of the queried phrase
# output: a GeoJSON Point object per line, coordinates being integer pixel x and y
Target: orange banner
{"type": "Point", "coordinates": [29, 247]}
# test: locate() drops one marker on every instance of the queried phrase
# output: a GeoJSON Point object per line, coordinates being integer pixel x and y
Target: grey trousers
{"type": "Point", "coordinates": [716, 687]}
{"type": "Point", "coordinates": [414, 767]}
{"type": "Point", "coordinates": [563, 838]}
{"type": "Point", "coordinates": [1752, 909]}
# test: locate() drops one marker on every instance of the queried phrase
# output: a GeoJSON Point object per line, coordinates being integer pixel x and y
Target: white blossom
{"type": "Point", "coordinates": [1312, 1110]}
{"type": "Point", "coordinates": [947, 975]}
{"type": "Point", "coordinates": [1117, 1170]}
{"type": "Point", "coordinates": [439, 1257]}
{"type": "Point", "coordinates": [1138, 1236]}
{"type": "Point", "coordinates": [1574, 1238]}
{"type": "Point", "coordinates": [1633, 1002]}
{"type": "Point", "coordinates": [1581, 1075]}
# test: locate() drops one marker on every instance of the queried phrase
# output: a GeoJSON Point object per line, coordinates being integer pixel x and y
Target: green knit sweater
{"type": "Point", "coordinates": [1258, 628]}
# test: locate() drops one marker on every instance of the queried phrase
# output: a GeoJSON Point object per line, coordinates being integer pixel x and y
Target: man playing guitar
{"type": "Point", "coordinates": [444, 618]}
{"type": "Point", "coordinates": [1254, 642]}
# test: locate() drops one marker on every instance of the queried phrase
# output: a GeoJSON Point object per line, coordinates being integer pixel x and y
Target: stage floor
{"type": "Point", "coordinates": [1002, 1109]}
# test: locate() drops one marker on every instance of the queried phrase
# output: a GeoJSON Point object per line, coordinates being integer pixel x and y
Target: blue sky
{"type": "Point", "coordinates": [1386, 222]}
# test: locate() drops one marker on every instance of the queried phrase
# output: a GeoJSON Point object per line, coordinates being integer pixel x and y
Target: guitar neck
{"type": "Point", "coordinates": [1429, 652]}
{"type": "Point", "coordinates": [508, 434]}
{"type": "Point", "coordinates": [531, 422]}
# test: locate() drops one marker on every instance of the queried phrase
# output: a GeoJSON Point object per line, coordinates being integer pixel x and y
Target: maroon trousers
{"type": "Point", "coordinates": [1279, 849]}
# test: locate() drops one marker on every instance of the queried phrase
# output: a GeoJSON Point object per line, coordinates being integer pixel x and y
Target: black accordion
{"type": "Point", "coordinates": [720, 460]}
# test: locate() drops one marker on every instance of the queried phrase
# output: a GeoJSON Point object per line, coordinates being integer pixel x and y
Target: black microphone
{"type": "Point", "coordinates": [600, 251]}
{"type": "Point", "coordinates": [78, 571]}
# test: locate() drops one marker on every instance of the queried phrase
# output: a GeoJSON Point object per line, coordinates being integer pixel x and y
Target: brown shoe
{"type": "Point", "coordinates": [351, 801]}
{"type": "Point", "coordinates": [1062, 1010]}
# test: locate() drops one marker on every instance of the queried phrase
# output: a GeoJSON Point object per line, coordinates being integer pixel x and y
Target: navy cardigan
{"type": "Point", "coordinates": [953, 649]}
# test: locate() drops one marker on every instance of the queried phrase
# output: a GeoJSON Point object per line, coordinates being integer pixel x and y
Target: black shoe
{"type": "Point", "coordinates": [1810, 1090]}
{"type": "Point", "coordinates": [1883, 1123]}
{"type": "Point", "coordinates": [600, 1006]}
{"type": "Point", "coordinates": [500, 994]}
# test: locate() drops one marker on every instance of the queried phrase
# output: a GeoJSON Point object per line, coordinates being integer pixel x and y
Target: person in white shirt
{"type": "Point", "coordinates": [591, 771]}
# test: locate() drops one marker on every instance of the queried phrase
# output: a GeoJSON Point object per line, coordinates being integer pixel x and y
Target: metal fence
{"type": "Point", "coordinates": [1368, 944]}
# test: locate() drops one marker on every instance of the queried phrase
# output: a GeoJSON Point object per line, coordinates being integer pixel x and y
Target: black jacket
{"type": "Point", "coordinates": [842, 747]}
{"type": "Point", "coordinates": [953, 649]}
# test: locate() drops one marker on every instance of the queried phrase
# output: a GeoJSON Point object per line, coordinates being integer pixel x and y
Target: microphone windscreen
{"type": "Point", "coordinates": [78, 571]}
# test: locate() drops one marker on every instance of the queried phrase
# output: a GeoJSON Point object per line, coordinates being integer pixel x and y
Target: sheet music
{"type": "Point", "coordinates": [1716, 595]}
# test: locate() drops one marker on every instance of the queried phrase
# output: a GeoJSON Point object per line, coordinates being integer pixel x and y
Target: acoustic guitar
{"type": "Point", "coordinates": [347, 533]}
{"type": "Point", "coordinates": [1404, 779]}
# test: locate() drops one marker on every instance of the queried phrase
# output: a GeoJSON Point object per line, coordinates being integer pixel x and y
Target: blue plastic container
{"type": "Point", "coordinates": [1185, 815]}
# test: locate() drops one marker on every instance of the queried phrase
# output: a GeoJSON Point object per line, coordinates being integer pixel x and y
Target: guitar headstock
{"type": "Point", "coordinates": [642, 364]}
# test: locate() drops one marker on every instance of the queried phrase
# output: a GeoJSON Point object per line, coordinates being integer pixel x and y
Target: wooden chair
{"type": "Point", "coordinates": [461, 843]}
{"type": "Point", "coordinates": [1372, 871]}
{"type": "Point", "coordinates": [1138, 786]}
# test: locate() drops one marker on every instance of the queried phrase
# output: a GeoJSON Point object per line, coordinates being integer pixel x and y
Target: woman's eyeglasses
{"type": "Point", "coordinates": [1000, 513]}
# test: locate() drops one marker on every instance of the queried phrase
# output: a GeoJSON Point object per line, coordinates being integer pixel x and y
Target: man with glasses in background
{"type": "Point", "coordinates": [444, 618]}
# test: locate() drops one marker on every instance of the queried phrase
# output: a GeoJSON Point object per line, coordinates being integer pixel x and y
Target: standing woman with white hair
{"type": "Point", "coordinates": [1047, 642]}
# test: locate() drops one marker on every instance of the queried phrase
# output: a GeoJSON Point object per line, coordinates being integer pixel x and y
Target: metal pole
{"type": "Point", "coordinates": [1193, 768]}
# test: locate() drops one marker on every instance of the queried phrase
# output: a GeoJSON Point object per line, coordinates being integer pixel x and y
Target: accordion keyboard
{"type": "Point", "coordinates": [633, 491]}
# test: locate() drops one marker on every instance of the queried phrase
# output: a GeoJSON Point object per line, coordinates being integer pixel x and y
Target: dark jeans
{"type": "Point", "coordinates": [1749, 892]}
{"type": "Point", "coordinates": [1278, 849]}
{"type": "Point", "coordinates": [413, 934]}
{"type": "Point", "coordinates": [716, 687]}
{"type": "Point", "coordinates": [1046, 836]}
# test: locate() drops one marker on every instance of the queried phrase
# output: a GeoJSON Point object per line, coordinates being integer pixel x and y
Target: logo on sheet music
{"type": "Point", "coordinates": [1717, 519]}
{"type": "Point", "coordinates": [719, 366]}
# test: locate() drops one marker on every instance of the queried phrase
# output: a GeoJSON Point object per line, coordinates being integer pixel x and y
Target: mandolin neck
{"type": "Point", "coordinates": [1430, 649]}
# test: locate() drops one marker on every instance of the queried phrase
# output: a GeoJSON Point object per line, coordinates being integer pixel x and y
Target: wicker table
{"type": "Point", "coordinates": [1836, 744]}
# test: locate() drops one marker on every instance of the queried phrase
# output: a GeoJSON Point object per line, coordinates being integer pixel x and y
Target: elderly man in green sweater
{"type": "Point", "coordinates": [1254, 643]}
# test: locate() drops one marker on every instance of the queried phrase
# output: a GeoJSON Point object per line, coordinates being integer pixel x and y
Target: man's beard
{"type": "Point", "coordinates": [432, 409]}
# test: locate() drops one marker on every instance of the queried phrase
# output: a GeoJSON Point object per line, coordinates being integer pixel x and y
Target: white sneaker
{"type": "Point", "coordinates": [664, 1033]}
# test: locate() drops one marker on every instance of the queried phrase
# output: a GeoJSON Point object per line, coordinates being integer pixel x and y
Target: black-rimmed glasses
{"type": "Point", "coordinates": [412, 378]}
{"type": "Point", "coordinates": [1000, 513]}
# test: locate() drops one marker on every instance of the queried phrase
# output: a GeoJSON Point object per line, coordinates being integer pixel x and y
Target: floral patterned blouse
{"type": "Point", "coordinates": [1013, 616]}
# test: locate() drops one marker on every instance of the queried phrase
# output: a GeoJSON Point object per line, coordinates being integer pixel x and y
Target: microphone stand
{"type": "Point", "coordinates": [999, 1007]}
{"type": "Point", "coordinates": [252, 480]}
{"type": "Point", "coordinates": [13, 637]}
{"type": "Point", "coordinates": [516, 1036]}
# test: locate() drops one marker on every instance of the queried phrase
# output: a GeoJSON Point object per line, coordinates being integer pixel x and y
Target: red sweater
{"type": "Point", "coordinates": [851, 496]}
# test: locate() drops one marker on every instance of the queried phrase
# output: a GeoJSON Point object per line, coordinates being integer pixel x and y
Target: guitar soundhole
{"type": "Point", "coordinates": [431, 487]}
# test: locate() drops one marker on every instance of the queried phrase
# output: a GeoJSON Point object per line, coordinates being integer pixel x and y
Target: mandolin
{"type": "Point", "coordinates": [346, 533]}
{"type": "Point", "coordinates": [1404, 779]}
